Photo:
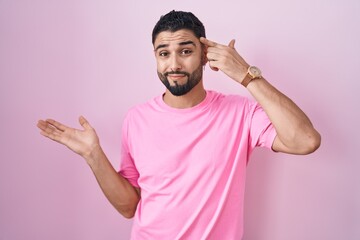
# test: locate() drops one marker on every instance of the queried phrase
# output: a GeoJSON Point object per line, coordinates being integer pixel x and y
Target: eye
{"type": "Point", "coordinates": [163, 54]}
{"type": "Point", "coordinates": [186, 52]}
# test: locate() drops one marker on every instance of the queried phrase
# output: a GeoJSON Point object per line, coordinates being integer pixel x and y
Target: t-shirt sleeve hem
{"type": "Point", "coordinates": [133, 182]}
{"type": "Point", "coordinates": [271, 138]}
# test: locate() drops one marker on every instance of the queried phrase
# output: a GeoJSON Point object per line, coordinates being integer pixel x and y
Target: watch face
{"type": "Point", "coordinates": [254, 71]}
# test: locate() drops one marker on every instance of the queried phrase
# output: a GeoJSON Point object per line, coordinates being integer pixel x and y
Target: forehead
{"type": "Point", "coordinates": [170, 38]}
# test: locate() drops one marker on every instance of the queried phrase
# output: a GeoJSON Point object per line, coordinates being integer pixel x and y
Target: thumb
{"type": "Point", "coordinates": [232, 43]}
{"type": "Point", "coordinates": [84, 123]}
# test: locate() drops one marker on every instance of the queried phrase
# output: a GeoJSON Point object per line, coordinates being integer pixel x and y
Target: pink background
{"type": "Point", "coordinates": [61, 59]}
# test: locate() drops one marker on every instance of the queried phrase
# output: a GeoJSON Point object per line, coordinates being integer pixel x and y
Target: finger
{"type": "Point", "coordinates": [232, 43]}
{"type": "Point", "coordinates": [52, 136]}
{"type": "Point", "coordinates": [208, 42]}
{"type": "Point", "coordinates": [41, 124]}
{"type": "Point", "coordinates": [217, 50]}
{"type": "Point", "coordinates": [211, 65]}
{"type": "Point", "coordinates": [56, 124]}
{"type": "Point", "coordinates": [49, 131]}
{"type": "Point", "coordinates": [45, 127]}
{"type": "Point", "coordinates": [214, 68]}
{"type": "Point", "coordinates": [212, 56]}
{"type": "Point", "coordinates": [84, 123]}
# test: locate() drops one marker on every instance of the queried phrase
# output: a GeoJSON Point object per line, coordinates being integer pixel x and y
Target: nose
{"type": "Point", "coordinates": [175, 63]}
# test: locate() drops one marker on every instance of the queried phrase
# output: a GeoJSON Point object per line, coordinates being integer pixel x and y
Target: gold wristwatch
{"type": "Point", "coordinates": [252, 73]}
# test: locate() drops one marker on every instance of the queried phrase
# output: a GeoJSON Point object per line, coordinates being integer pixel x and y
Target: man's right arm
{"type": "Point", "coordinates": [121, 194]}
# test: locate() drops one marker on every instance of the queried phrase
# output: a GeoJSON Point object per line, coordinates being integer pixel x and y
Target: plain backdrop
{"type": "Point", "coordinates": [61, 59]}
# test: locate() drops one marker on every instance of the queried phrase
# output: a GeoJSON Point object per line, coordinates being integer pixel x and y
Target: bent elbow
{"type": "Point", "coordinates": [128, 214]}
{"type": "Point", "coordinates": [128, 211]}
{"type": "Point", "coordinates": [313, 143]}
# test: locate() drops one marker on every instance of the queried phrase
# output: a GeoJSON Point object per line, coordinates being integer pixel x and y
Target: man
{"type": "Point", "coordinates": [184, 153]}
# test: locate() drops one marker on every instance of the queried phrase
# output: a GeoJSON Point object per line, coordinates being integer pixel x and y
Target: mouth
{"type": "Point", "coordinates": [176, 76]}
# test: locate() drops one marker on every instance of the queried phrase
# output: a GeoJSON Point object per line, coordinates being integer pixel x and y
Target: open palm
{"type": "Point", "coordinates": [80, 141]}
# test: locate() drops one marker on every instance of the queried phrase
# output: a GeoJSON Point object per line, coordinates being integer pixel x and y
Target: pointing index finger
{"type": "Point", "coordinates": [207, 42]}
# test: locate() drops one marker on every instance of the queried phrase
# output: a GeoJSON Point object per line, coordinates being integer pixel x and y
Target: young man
{"type": "Point", "coordinates": [184, 153]}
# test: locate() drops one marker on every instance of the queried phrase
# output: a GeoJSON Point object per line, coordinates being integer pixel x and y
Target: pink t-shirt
{"type": "Point", "coordinates": [190, 165]}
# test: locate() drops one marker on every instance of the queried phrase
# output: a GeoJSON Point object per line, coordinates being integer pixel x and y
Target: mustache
{"type": "Point", "coordinates": [177, 72]}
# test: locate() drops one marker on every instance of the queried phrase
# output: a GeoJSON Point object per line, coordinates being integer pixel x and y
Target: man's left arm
{"type": "Point", "coordinates": [295, 132]}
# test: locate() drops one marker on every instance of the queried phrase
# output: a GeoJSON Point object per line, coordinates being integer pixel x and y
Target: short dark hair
{"type": "Point", "coordinates": [177, 20]}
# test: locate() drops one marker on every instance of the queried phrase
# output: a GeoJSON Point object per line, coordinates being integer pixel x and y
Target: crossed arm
{"type": "Point", "coordinates": [121, 194]}
{"type": "Point", "coordinates": [295, 132]}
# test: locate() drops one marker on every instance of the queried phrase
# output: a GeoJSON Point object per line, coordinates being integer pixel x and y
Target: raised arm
{"type": "Point", "coordinates": [121, 194]}
{"type": "Point", "coordinates": [295, 132]}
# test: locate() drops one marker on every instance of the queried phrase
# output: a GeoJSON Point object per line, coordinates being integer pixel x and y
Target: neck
{"type": "Point", "coordinates": [191, 99]}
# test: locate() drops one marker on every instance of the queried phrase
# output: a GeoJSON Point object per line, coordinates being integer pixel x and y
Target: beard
{"type": "Point", "coordinates": [181, 89]}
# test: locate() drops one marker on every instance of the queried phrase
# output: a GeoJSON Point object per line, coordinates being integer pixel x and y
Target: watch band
{"type": "Point", "coordinates": [252, 73]}
{"type": "Point", "coordinates": [246, 80]}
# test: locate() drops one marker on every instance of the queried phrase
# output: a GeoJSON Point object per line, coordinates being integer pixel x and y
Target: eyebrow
{"type": "Point", "coordinates": [181, 44]}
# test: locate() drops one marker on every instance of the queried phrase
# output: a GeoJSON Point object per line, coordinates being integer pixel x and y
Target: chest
{"type": "Point", "coordinates": [169, 147]}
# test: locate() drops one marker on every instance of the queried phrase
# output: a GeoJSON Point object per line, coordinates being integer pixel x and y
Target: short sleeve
{"type": "Point", "coordinates": [127, 167]}
{"type": "Point", "coordinates": [262, 131]}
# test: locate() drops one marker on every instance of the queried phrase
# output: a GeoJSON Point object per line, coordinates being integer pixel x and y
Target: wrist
{"type": "Point", "coordinates": [246, 80]}
{"type": "Point", "coordinates": [94, 154]}
{"type": "Point", "coordinates": [251, 74]}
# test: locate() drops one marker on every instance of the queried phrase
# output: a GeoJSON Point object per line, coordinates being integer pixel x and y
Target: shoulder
{"type": "Point", "coordinates": [232, 100]}
{"type": "Point", "coordinates": [142, 109]}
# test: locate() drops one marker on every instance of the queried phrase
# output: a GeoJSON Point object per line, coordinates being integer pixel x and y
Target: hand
{"type": "Point", "coordinates": [82, 142]}
{"type": "Point", "coordinates": [225, 58]}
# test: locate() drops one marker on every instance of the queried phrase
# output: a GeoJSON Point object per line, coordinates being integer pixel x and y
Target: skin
{"type": "Point", "coordinates": [85, 142]}
{"type": "Point", "coordinates": [295, 132]}
{"type": "Point", "coordinates": [183, 51]}
{"type": "Point", "coordinates": [172, 54]}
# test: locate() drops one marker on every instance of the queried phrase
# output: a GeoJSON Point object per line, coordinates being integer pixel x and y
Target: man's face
{"type": "Point", "coordinates": [179, 60]}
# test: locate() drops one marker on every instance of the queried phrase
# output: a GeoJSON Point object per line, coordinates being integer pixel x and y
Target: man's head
{"type": "Point", "coordinates": [177, 20]}
{"type": "Point", "coordinates": [179, 53]}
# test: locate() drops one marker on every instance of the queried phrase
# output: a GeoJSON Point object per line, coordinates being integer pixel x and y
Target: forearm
{"type": "Point", "coordinates": [295, 133]}
{"type": "Point", "coordinates": [121, 194]}
{"type": "Point", "coordinates": [294, 129]}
